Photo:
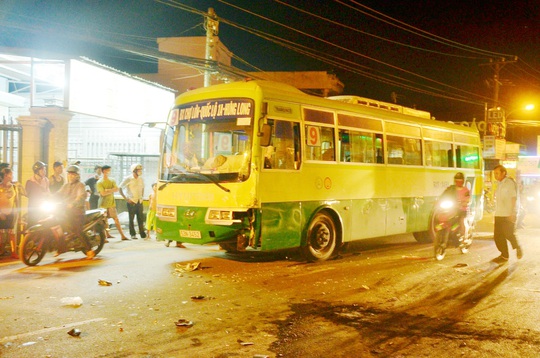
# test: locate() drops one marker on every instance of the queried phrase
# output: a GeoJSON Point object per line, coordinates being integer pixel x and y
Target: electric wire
{"type": "Point", "coordinates": [409, 28]}
{"type": "Point", "coordinates": [376, 36]}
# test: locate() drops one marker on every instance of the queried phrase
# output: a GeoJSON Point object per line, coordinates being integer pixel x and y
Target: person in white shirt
{"type": "Point", "coordinates": [132, 189]}
{"type": "Point", "coordinates": [506, 211]}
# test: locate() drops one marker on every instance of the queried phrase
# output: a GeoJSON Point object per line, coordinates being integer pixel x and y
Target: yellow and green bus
{"type": "Point", "coordinates": [260, 165]}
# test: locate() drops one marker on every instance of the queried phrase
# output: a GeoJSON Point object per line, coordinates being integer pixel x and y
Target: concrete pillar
{"type": "Point", "coordinates": [44, 137]}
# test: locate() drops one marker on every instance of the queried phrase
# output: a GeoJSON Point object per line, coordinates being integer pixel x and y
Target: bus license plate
{"type": "Point", "coordinates": [190, 234]}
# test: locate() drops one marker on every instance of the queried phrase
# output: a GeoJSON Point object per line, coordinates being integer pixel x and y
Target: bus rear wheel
{"type": "Point", "coordinates": [321, 238]}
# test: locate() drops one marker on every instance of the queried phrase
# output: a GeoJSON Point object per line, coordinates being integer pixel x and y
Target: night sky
{"type": "Point", "coordinates": [372, 57]}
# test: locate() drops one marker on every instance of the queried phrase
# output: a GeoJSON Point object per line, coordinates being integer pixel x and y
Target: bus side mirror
{"type": "Point", "coordinates": [265, 134]}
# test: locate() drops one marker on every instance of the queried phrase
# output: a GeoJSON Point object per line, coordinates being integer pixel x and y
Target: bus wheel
{"type": "Point", "coordinates": [228, 246]}
{"type": "Point", "coordinates": [321, 239]}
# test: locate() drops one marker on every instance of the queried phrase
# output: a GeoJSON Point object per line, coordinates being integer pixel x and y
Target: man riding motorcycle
{"type": "Point", "coordinates": [462, 196]}
{"type": "Point", "coordinates": [73, 194]}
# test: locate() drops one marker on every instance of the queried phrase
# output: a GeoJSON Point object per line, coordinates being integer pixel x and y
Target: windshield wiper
{"type": "Point", "coordinates": [182, 177]}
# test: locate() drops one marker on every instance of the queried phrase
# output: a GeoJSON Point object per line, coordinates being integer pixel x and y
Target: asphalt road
{"type": "Point", "coordinates": [382, 298]}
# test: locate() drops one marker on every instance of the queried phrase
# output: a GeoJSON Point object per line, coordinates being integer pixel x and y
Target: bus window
{"type": "Point", "coordinates": [284, 151]}
{"type": "Point", "coordinates": [403, 150]}
{"type": "Point", "coordinates": [467, 157]}
{"type": "Point", "coordinates": [320, 143]}
{"type": "Point", "coordinates": [358, 147]}
{"type": "Point", "coordinates": [438, 154]}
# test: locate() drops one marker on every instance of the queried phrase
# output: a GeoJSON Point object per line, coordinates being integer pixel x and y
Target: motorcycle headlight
{"type": "Point", "coordinates": [446, 204]}
{"type": "Point", "coordinates": [48, 206]}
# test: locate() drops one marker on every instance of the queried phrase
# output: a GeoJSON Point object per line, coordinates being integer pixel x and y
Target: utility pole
{"type": "Point", "coordinates": [211, 24]}
{"type": "Point", "coordinates": [497, 65]}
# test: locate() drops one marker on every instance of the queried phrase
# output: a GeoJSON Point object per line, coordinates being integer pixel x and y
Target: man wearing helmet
{"type": "Point", "coordinates": [132, 189]}
{"type": "Point", "coordinates": [73, 194]}
{"type": "Point", "coordinates": [462, 195]}
{"type": "Point", "coordinates": [37, 190]}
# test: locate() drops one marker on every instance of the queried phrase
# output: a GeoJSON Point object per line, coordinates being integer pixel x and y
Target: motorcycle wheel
{"type": "Point", "coordinates": [440, 244]}
{"type": "Point", "coordinates": [32, 249]}
{"type": "Point", "coordinates": [97, 239]}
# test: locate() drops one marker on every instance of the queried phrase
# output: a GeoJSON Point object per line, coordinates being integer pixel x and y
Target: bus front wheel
{"type": "Point", "coordinates": [321, 238]}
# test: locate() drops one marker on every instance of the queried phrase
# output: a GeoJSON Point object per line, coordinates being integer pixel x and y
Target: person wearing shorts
{"type": "Point", "coordinates": [106, 188]}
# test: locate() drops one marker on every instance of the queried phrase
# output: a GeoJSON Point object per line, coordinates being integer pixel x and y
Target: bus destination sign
{"type": "Point", "coordinates": [216, 110]}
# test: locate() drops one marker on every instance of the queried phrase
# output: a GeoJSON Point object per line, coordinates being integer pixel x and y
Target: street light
{"type": "Point", "coordinates": [527, 108]}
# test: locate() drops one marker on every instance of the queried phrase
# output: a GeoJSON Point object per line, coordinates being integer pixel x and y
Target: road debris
{"type": "Point", "coordinates": [74, 332]}
{"type": "Point", "coordinates": [104, 283]}
{"type": "Point", "coordinates": [460, 265]}
{"type": "Point", "coordinates": [242, 343]}
{"type": "Point", "coordinates": [72, 301]}
{"type": "Point", "coordinates": [188, 267]}
{"type": "Point", "coordinates": [183, 323]}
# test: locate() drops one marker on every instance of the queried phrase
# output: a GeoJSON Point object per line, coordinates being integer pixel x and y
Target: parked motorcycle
{"type": "Point", "coordinates": [49, 235]}
{"type": "Point", "coordinates": [447, 229]}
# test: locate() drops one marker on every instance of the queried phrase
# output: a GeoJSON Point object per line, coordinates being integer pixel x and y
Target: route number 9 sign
{"type": "Point", "coordinates": [313, 136]}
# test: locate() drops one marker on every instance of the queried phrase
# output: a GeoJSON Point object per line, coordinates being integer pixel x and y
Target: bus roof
{"type": "Point", "coordinates": [272, 90]}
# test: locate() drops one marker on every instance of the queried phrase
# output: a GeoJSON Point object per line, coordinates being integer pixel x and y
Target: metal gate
{"type": "Point", "coordinates": [10, 145]}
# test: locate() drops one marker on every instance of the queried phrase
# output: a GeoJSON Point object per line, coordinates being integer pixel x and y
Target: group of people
{"type": "Point", "coordinates": [506, 211]}
{"type": "Point", "coordinates": [96, 192]}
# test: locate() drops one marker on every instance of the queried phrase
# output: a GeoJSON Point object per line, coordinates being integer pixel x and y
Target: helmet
{"type": "Point", "coordinates": [73, 169]}
{"type": "Point", "coordinates": [459, 176]}
{"type": "Point", "coordinates": [37, 166]}
{"type": "Point", "coordinates": [135, 167]}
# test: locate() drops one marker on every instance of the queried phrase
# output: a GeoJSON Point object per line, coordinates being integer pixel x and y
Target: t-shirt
{"type": "Point", "coordinates": [106, 201]}
{"type": "Point", "coordinates": [505, 195]}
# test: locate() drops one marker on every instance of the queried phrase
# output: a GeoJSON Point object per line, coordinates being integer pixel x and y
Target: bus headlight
{"type": "Point", "coordinates": [166, 213]}
{"type": "Point", "coordinates": [221, 217]}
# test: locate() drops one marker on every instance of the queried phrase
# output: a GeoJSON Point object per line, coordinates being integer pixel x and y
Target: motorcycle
{"type": "Point", "coordinates": [447, 229]}
{"type": "Point", "coordinates": [49, 235]}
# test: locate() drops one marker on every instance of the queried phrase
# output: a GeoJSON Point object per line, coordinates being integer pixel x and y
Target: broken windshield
{"type": "Point", "coordinates": [215, 143]}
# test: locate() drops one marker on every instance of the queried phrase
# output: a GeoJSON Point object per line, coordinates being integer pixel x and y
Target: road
{"type": "Point", "coordinates": [381, 298]}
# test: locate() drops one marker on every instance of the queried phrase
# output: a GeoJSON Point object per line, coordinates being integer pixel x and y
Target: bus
{"type": "Point", "coordinates": [260, 165]}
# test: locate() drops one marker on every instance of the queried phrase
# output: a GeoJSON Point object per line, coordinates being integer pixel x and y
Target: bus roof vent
{"type": "Point", "coordinates": [362, 101]}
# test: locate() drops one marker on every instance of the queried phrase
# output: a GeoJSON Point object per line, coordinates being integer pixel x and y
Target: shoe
{"type": "Point", "coordinates": [110, 236]}
{"type": "Point", "coordinates": [134, 238]}
{"type": "Point", "coordinates": [90, 254]}
{"type": "Point", "coordinates": [143, 236]}
{"type": "Point", "coordinates": [179, 244]}
{"type": "Point", "coordinates": [167, 243]}
{"type": "Point", "coordinates": [519, 252]}
{"type": "Point", "coordinates": [500, 259]}
{"type": "Point", "coordinates": [124, 238]}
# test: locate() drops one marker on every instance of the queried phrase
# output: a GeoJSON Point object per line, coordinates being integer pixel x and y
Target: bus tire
{"type": "Point", "coordinates": [426, 237]}
{"type": "Point", "coordinates": [321, 238]}
{"type": "Point", "coordinates": [228, 246]}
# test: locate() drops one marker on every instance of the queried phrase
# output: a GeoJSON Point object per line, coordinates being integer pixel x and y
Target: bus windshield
{"type": "Point", "coordinates": [208, 148]}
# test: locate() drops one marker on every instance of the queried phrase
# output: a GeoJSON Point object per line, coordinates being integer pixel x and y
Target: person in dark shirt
{"type": "Point", "coordinates": [91, 184]}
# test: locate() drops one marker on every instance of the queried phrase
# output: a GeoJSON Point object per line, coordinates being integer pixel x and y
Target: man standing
{"type": "Point", "coordinates": [37, 190]}
{"type": "Point", "coordinates": [132, 189]}
{"type": "Point", "coordinates": [91, 184]}
{"type": "Point", "coordinates": [57, 179]}
{"type": "Point", "coordinates": [506, 210]}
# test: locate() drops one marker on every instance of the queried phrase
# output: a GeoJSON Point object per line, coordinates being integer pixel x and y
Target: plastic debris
{"type": "Point", "coordinates": [196, 298]}
{"type": "Point", "coordinates": [104, 283]}
{"type": "Point", "coordinates": [26, 344]}
{"type": "Point", "coordinates": [460, 265]}
{"type": "Point", "coordinates": [183, 323]}
{"type": "Point", "coordinates": [72, 301]}
{"type": "Point", "coordinates": [188, 267]}
{"type": "Point", "coordinates": [74, 332]}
